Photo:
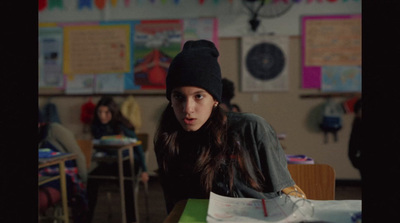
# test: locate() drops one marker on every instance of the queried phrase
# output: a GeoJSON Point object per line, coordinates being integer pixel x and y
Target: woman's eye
{"type": "Point", "coordinates": [199, 96]}
{"type": "Point", "coordinates": [178, 97]}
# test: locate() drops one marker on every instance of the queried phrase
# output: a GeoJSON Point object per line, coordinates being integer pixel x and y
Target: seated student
{"type": "Point", "coordinates": [236, 108]}
{"type": "Point", "coordinates": [108, 120]}
{"type": "Point", "coordinates": [355, 142]}
{"type": "Point", "coordinates": [228, 92]}
{"type": "Point", "coordinates": [200, 148]}
{"type": "Point", "coordinates": [60, 139]}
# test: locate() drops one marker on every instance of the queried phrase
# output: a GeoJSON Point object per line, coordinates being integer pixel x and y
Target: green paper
{"type": "Point", "coordinates": [195, 211]}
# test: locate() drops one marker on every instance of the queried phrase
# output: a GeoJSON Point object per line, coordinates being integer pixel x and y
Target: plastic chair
{"type": "Point", "coordinates": [316, 180]}
{"type": "Point", "coordinates": [144, 138]}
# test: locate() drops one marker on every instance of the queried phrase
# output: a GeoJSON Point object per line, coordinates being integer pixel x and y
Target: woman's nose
{"type": "Point", "coordinates": [188, 106]}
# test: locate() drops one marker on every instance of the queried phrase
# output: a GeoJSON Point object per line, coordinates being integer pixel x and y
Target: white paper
{"type": "Point", "coordinates": [80, 84]}
{"type": "Point", "coordinates": [280, 209]}
{"type": "Point", "coordinates": [109, 83]}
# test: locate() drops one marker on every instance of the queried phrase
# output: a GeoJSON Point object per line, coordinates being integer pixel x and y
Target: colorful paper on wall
{"type": "Point", "coordinates": [80, 84]}
{"type": "Point", "coordinates": [55, 4]}
{"type": "Point", "coordinates": [156, 44]}
{"type": "Point", "coordinates": [329, 41]}
{"type": "Point", "coordinates": [341, 79]}
{"type": "Point", "coordinates": [42, 4]}
{"type": "Point", "coordinates": [84, 3]}
{"type": "Point", "coordinates": [109, 83]}
{"type": "Point", "coordinates": [114, 3]}
{"type": "Point", "coordinates": [129, 83]}
{"type": "Point", "coordinates": [50, 57]}
{"type": "Point", "coordinates": [202, 28]}
{"type": "Point", "coordinates": [140, 50]}
{"type": "Point", "coordinates": [96, 49]}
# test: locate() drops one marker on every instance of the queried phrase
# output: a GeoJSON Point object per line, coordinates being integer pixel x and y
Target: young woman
{"type": "Point", "coordinates": [108, 120]}
{"type": "Point", "coordinates": [200, 148]}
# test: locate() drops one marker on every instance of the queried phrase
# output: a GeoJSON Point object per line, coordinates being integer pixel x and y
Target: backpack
{"type": "Point", "coordinates": [331, 119]}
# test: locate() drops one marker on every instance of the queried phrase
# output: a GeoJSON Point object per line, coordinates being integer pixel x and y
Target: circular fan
{"type": "Point", "coordinates": [266, 9]}
{"type": "Point", "coordinates": [265, 61]}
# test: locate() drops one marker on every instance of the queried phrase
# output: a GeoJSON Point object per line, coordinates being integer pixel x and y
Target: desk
{"type": "Point", "coordinates": [325, 211]}
{"type": "Point", "coordinates": [120, 149]}
{"type": "Point", "coordinates": [176, 212]}
{"type": "Point", "coordinates": [60, 160]}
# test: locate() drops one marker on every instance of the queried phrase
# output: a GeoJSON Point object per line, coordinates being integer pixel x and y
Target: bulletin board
{"type": "Point", "coordinates": [114, 57]}
{"type": "Point", "coordinates": [332, 45]}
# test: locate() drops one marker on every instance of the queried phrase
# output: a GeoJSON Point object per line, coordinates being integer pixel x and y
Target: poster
{"type": "Point", "coordinates": [96, 49]}
{"type": "Point", "coordinates": [80, 84]}
{"type": "Point", "coordinates": [156, 44]}
{"type": "Point", "coordinates": [341, 79]}
{"type": "Point", "coordinates": [329, 41]}
{"type": "Point", "coordinates": [202, 28]}
{"type": "Point", "coordinates": [109, 83]}
{"type": "Point", "coordinates": [139, 50]}
{"type": "Point", "coordinates": [50, 57]}
{"type": "Point", "coordinates": [265, 62]}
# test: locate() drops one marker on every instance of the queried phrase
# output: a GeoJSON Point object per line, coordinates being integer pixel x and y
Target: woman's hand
{"type": "Point", "coordinates": [145, 177]}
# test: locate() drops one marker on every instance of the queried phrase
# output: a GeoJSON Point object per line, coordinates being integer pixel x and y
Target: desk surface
{"type": "Point", "coordinates": [322, 211]}
{"type": "Point", "coordinates": [58, 160]}
{"type": "Point", "coordinates": [176, 212]}
{"type": "Point", "coordinates": [43, 162]}
{"type": "Point", "coordinates": [116, 146]}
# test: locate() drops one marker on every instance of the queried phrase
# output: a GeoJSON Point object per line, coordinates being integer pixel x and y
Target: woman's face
{"type": "Point", "coordinates": [104, 114]}
{"type": "Point", "coordinates": [192, 106]}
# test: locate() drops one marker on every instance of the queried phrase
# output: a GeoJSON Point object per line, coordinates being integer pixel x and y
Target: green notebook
{"type": "Point", "coordinates": [195, 211]}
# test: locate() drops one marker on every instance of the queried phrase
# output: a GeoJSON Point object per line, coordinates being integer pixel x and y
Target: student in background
{"type": "Point", "coordinates": [355, 142]}
{"type": "Point", "coordinates": [107, 121]}
{"type": "Point", "coordinates": [228, 92]}
{"type": "Point", "coordinates": [56, 137]}
{"type": "Point", "coordinates": [236, 108]}
{"type": "Point", "coordinates": [200, 148]}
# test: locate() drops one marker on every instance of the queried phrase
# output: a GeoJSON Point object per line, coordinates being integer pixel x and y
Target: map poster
{"type": "Point", "coordinates": [341, 79]}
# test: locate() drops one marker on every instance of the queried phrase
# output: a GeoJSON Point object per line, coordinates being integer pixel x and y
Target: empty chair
{"type": "Point", "coordinates": [316, 180]}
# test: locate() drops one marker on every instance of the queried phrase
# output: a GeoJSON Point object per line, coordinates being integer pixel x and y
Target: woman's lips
{"type": "Point", "coordinates": [189, 121]}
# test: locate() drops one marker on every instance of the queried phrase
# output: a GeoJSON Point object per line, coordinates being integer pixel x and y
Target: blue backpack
{"type": "Point", "coordinates": [331, 119]}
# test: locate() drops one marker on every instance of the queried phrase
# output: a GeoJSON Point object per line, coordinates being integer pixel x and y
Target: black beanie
{"type": "Point", "coordinates": [196, 65]}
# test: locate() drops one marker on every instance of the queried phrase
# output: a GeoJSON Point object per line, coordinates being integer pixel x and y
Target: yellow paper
{"type": "Point", "coordinates": [97, 49]}
{"type": "Point", "coordinates": [333, 42]}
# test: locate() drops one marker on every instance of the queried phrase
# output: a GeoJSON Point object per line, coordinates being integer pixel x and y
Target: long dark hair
{"type": "Point", "coordinates": [117, 117]}
{"type": "Point", "coordinates": [218, 148]}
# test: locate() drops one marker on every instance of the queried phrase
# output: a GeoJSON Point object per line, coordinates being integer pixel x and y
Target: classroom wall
{"type": "Point", "coordinates": [287, 112]}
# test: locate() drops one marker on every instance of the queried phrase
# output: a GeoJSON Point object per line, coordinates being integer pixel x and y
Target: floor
{"type": "Point", "coordinates": [108, 204]}
{"type": "Point", "coordinates": [107, 209]}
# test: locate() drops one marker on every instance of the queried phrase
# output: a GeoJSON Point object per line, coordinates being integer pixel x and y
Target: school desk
{"type": "Point", "coordinates": [60, 161]}
{"type": "Point", "coordinates": [120, 148]}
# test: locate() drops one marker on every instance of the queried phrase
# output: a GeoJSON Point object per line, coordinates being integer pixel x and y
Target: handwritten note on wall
{"type": "Point", "coordinates": [96, 49]}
